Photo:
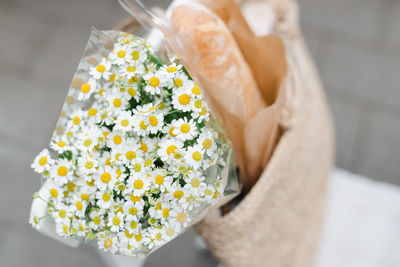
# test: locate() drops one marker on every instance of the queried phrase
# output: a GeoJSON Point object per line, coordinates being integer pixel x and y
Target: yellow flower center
{"type": "Point", "coordinates": [138, 184]}
{"type": "Point", "coordinates": [133, 211]}
{"type": "Point", "coordinates": [71, 186]}
{"type": "Point", "coordinates": [158, 236]}
{"type": "Point", "coordinates": [117, 102]}
{"type": "Point", "coordinates": [65, 229]}
{"type": "Point", "coordinates": [106, 197]}
{"type": "Point", "coordinates": [92, 112]}
{"type": "Point", "coordinates": [138, 237]}
{"type": "Point", "coordinates": [159, 179]}
{"type": "Point", "coordinates": [153, 121]}
{"type": "Point", "coordinates": [62, 171]}
{"type": "Point", "coordinates": [85, 197]}
{"type": "Point", "coordinates": [148, 162]}
{"type": "Point", "coordinates": [137, 167]}
{"type": "Point", "coordinates": [178, 194]}
{"type": "Point", "coordinates": [121, 53]}
{"type": "Point", "coordinates": [131, 69]}
{"type": "Point", "coordinates": [171, 149]}
{"type": "Point", "coordinates": [79, 205]}
{"type": "Point", "coordinates": [195, 182]}
{"type": "Point", "coordinates": [87, 142]}
{"type": "Point", "coordinates": [42, 161]}
{"type": "Point", "coordinates": [196, 90]}
{"type": "Point", "coordinates": [143, 147]}
{"type": "Point", "coordinates": [97, 220]}
{"type": "Point", "coordinates": [62, 213]}
{"type": "Point", "coordinates": [124, 123]}
{"type": "Point", "coordinates": [116, 221]}
{"type": "Point", "coordinates": [207, 143]}
{"type": "Point", "coordinates": [105, 177]}
{"type": "Point", "coordinates": [101, 68]}
{"type": "Point", "coordinates": [171, 69]}
{"type": "Point", "coordinates": [131, 91]}
{"type": "Point", "coordinates": [198, 103]}
{"type": "Point", "coordinates": [196, 156]}
{"type": "Point", "coordinates": [135, 55]}
{"type": "Point", "coordinates": [85, 88]}
{"type": "Point", "coordinates": [170, 232]}
{"type": "Point", "coordinates": [184, 99]}
{"type": "Point", "coordinates": [54, 192]}
{"type": "Point", "coordinates": [128, 235]}
{"type": "Point", "coordinates": [133, 225]}
{"type": "Point", "coordinates": [117, 139]}
{"type": "Point", "coordinates": [178, 82]}
{"type": "Point", "coordinates": [61, 144]}
{"type": "Point", "coordinates": [112, 78]}
{"type": "Point", "coordinates": [181, 217]}
{"type": "Point", "coordinates": [208, 192]}
{"type": "Point", "coordinates": [89, 165]}
{"type": "Point", "coordinates": [130, 155]}
{"type": "Point", "coordinates": [107, 242]}
{"type": "Point", "coordinates": [76, 120]}
{"type": "Point", "coordinates": [143, 126]}
{"type": "Point", "coordinates": [185, 128]}
{"type": "Point", "coordinates": [154, 81]}
{"type": "Point", "coordinates": [165, 213]}
{"type": "Point", "coordinates": [171, 132]}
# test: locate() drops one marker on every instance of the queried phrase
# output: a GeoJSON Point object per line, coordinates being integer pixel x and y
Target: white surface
{"type": "Point", "coordinates": [362, 226]}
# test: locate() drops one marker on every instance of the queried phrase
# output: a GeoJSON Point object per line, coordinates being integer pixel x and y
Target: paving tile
{"type": "Point", "coordinates": [22, 246]}
{"type": "Point", "coordinates": [29, 106]}
{"type": "Point", "coordinates": [23, 37]}
{"type": "Point", "coordinates": [346, 116]}
{"type": "Point", "coordinates": [361, 72]}
{"type": "Point", "coordinates": [181, 252]}
{"type": "Point", "coordinates": [393, 33]}
{"type": "Point", "coordinates": [358, 17]}
{"type": "Point", "coordinates": [382, 150]}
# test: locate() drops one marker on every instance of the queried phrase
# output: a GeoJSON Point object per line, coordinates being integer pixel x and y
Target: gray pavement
{"type": "Point", "coordinates": [356, 45]}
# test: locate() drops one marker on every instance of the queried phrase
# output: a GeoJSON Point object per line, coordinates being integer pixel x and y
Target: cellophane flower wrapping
{"type": "Point", "coordinates": [136, 157]}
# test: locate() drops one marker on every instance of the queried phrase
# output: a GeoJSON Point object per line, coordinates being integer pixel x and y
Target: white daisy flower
{"type": "Point", "coordinates": [185, 129]}
{"type": "Point", "coordinates": [181, 99]}
{"type": "Point", "coordinates": [180, 216]}
{"type": "Point", "coordinates": [102, 70]}
{"type": "Point", "coordinates": [138, 184]}
{"type": "Point", "coordinates": [108, 243]}
{"type": "Point", "coordinates": [62, 213]}
{"type": "Point", "coordinates": [207, 141]}
{"type": "Point", "coordinates": [104, 199]}
{"type": "Point", "coordinates": [181, 81]}
{"type": "Point", "coordinates": [154, 82]}
{"type": "Point", "coordinates": [169, 147]}
{"type": "Point", "coordinates": [194, 156]}
{"type": "Point", "coordinates": [171, 70]}
{"type": "Point", "coordinates": [105, 178]}
{"type": "Point", "coordinates": [60, 144]}
{"type": "Point", "coordinates": [87, 89]}
{"type": "Point", "coordinates": [42, 161]}
{"type": "Point", "coordinates": [116, 139]}
{"type": "Point", "coordinates": [132, 69]}
{"type": "Point", "coordinates": [62, 171]}
{"type": "Point", "coordinates": [124, 121]}
{"type": "Point", "coordinates": [87, 164]}
{"type": "Point", "coordinates": [120, 54]}
{"type": "Point", "coordinates": [116, 222]}
{"type": "Point", "coordinates": [96, 220]}
{"type": "Point", "coordinates": [155, 122]}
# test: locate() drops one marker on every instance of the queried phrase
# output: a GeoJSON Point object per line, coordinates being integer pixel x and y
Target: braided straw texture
{"type": "Point", "coordinates": [278, 222]}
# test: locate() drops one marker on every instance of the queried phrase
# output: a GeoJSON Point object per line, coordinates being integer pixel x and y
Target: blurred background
{"type": "Point", "coordinates": [355, 44]}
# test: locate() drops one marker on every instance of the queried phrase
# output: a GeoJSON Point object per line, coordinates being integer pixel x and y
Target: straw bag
{"type": "Point", "coordinates": [278, 222]}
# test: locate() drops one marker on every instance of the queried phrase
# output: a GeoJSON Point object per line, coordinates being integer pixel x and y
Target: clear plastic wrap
{"type": "Point", "coordinates": [136, 157]}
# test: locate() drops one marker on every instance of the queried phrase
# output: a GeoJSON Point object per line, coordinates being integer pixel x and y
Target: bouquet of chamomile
{"type": "Point", "coordinates": [137, 156]}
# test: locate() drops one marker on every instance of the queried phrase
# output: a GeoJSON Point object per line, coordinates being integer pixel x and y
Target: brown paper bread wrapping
{"type": "Point", "coordinates": [239, 73]}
